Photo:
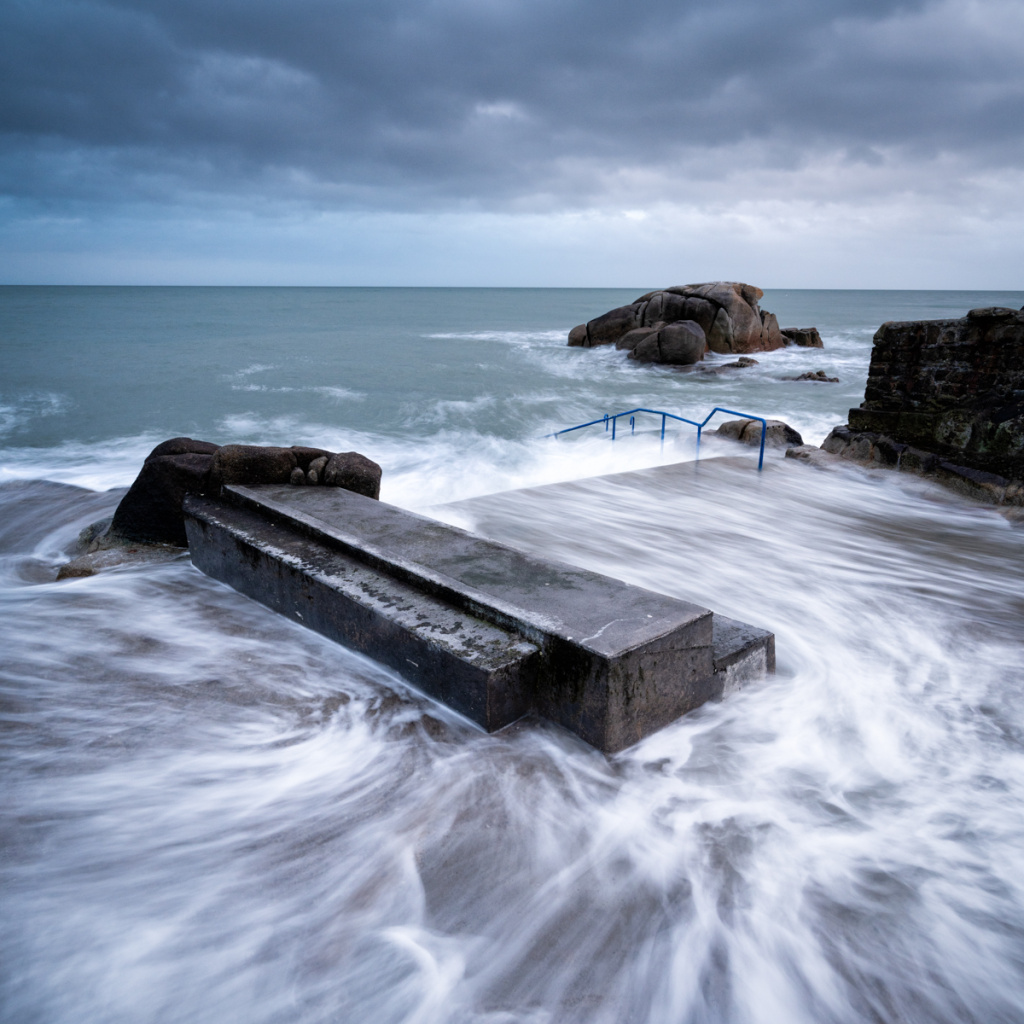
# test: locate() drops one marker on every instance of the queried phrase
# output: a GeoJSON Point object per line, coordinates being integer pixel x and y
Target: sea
{"type": "Point", "coordinates": [211, 814]}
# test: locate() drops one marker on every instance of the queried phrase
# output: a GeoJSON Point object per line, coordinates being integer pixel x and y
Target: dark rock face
{"type": "Point", "coordinates": [676, 344]}
{"type": "Point", "coordinates": [870, 448]}
{"type": "Point", "coordinates": [354, 472]}
{"type": "Point", "coordinates": [778, 434]}
{"type": "Point", "coordinates": [951, 388]}
{"type": "Point", "coordinates": [726, 311]}
{"type": "Point", "coordinates": [151, 511]}
{"type": "Point", "coordinates": [251, 464]}
{"type": "Point", "coordinates": [804, 337]}
{"type": "Point", "coordinates": [818, 375]}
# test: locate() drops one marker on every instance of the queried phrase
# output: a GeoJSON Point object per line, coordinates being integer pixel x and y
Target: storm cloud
{"type": "Point", "coordinates": [528, 107]}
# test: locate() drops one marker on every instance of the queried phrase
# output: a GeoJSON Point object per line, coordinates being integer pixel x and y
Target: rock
{"type": "Point", "coordinates": [109, 558]}
{"type": "Point", "coordinates": [727, 312]}
{"type": "Point", "coordinates": [952, 389]}
{"type": "Point", "coordinates": [778, 434]}
{"type": "Point", "coordinates": [578, 337]}
{"type": "Point", "coordinates": [677, 344]}
{"type": "Point", "coordinates": [739, 364]}
{"type": "Point", "coordinates": [818, 375]}
{"type": "Point", "coordinates": [873, 449]}
{"type": "Point", "coordinates": [812, 454]}
{"type": "Point", "coordinates": [631, 339]}
{"type": "Point", "coordinates": [151, 510]}
{"type": "Point", "coordinates": [804, 337]}
{"type": "Point", "coordinates": [183, 446]}
{"type": "Point", "coordinates": [354, 472]}
{"type": "Point", "coordinates": [305, 457]}
{"type": "Point", "coordinates": [251, 464]}
{"type": "Point", "coordinates": [316, 470]}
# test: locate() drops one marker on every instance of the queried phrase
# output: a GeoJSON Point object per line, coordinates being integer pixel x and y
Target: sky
{"type": "Point", "coordinates": [590, 143]}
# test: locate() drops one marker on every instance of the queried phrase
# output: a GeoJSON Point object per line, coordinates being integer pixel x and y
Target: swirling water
{"type": "Point", "coordinates": [210, 814]}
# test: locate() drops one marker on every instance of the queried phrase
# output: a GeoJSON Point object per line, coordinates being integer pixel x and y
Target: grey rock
{"type": "Point", "coordinates": [727, 312]}
{"type": "Point", "coordinates": [298, 478]}
{"type": "Point", "coordinates": [305, 456]}
{"type": "Point", "coordinates": [677, 344]}
{"type": "Point", "coordinates": [778, 434]}
{"type": "Point", "coordinates": [739, 364]}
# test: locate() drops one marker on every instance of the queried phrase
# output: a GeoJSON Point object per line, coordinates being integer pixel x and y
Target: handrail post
{"type": "Point", "coordinates": [632, 424]}
{"type": "Point", "coordinates": [606, 423]}
{"type": "Point", "coordinates": [614, 418]}
{"type": "Point", "coordinates": [662, 428]}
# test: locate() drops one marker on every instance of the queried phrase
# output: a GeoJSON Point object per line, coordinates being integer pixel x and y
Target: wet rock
{"type": "Point", "coordinates": [316, 469]}
{"type": "Point", "coordinates": [305, 457]}
{"type": "Point", "coordinates": [354, 472]}
{"type": "Point", "coordinates": [803, 337]}
{"type": "Point", "coordinates": [114, 556]}
{"type": "Point", "coordinates": [631, 339]}
{"type": "Point", "coordinates": [677, 344]}
{"type": "Point", "coordinates": [873, 449]}
{"type": "Point", "coordinates": [739, 364]}
{"type": "Point", "coordinates": [813, 455]}
{"type": "Point", "coordinates": [183, 446]}
{"type": "Point", "coordinates": [151, 510]}
{"type": "Point", "coordinates": [817, 375]}
{"type": "Point", "coordinates": [726, 311]}
{"type": "Point", "coordinates": [778, 434]}
{"type": "Point", "coordinates": [251, 464]}
{"type": "Point", "coordinates": [298, 478]}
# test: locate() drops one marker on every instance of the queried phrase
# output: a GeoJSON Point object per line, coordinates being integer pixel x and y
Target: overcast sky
{"type": "Point", "coordinates": [797, 143]}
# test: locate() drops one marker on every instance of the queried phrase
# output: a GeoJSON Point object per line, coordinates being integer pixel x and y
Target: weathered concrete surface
{"type": "Point", "coordinates": [483, 671]}
{"type": "Point", "coordinates": [610, 661]}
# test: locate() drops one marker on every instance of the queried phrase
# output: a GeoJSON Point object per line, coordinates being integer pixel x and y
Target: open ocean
{"type": "Point", "coordinates": [212, 815]}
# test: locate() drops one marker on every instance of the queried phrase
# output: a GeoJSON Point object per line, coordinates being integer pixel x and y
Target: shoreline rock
{"type": "Point", "coordinates": [778, 434]}
{"type": "Point", "coordinates": [149, 521]}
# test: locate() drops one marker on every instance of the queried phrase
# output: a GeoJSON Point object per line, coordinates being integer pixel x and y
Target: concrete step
{"type": "Point", "coordinates": [489, 630]}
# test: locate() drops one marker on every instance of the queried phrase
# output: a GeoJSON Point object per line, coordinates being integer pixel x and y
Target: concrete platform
{"type": "Point", "coordinates": [487, 629]}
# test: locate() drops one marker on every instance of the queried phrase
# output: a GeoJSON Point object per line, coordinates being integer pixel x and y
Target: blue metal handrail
{"type": "Point", "coordinates": [606, 419]}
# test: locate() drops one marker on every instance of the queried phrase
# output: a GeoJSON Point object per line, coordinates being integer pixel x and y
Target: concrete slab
{"type": "Point", "coordinates": [486, 628]}
{"type": "Point", "coordinates": [481, 670]}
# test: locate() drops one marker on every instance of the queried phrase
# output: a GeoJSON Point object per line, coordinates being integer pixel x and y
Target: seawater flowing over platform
{"type": "Point", "coordinates": [488, 630]}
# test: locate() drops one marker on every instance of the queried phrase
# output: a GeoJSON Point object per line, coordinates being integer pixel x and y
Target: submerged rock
{"type": "Point", "coordinates": [817, 375]}
{"type": "Point", "coordinates": [726, 311]}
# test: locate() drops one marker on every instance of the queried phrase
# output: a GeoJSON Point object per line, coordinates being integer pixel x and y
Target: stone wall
{"type": "Point", "coordinates": [953, 388]}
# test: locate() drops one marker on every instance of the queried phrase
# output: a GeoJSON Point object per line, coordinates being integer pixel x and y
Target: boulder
{"type": "Point", "coordinates": [631, 339]}
{"type": "Point", "coordinates": [354, 472]}
{"type": "Point", "coordinates": [251, 464]}
{"type": "Point", "coordinates": [778, 434]}
{"type": "Point", "coordinates": [677, 344]}
{"type": "Point", "coordinates": [803, 337]}
{"type": "Point", "coordinates": [150, 512]}
{"type": "Point", "coordinates": [726, 311]}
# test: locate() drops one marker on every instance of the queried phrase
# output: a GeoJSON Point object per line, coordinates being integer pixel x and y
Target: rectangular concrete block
{"type": "Point", "coordinates": [481, 670]}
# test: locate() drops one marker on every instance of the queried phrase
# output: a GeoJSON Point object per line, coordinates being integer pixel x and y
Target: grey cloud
{"type": "Point", "coordinates": [404, 103]}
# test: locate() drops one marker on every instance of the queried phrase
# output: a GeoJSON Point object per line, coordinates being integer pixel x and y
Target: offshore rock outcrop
{"type": "Point", "coordinates": [726, 312]}
{"type": "Point", "coordinates": [945, 399]}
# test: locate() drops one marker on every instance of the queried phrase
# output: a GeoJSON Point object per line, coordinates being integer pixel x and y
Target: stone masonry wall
{"type": "Point", "coordinates": [954, 388]}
